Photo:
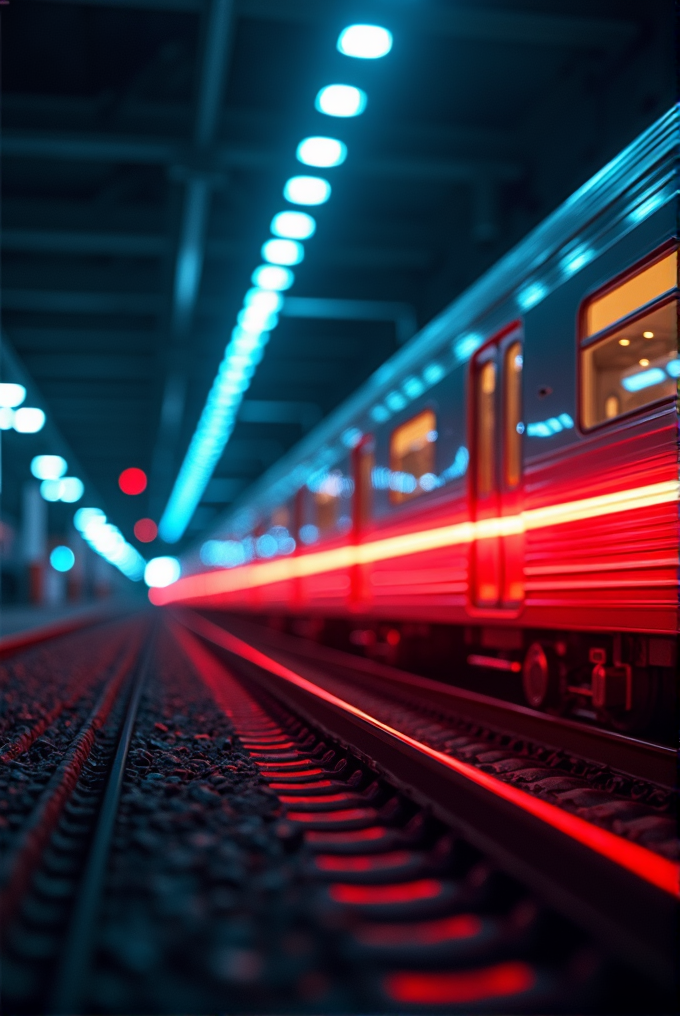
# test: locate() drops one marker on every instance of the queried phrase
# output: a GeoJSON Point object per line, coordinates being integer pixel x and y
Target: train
{"type": "Point", "coordinates": [506, 485]}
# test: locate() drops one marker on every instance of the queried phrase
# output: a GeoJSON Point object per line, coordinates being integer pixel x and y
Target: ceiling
{"type": "Point", "coordinates": [145, 146]}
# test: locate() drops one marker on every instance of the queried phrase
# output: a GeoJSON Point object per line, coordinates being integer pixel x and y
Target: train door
{"type": "Point", "coordinates": [497, 562]}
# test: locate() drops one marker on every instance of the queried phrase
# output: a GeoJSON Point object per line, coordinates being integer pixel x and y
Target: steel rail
{"type": "Point", "coordinates": [641, 759]}
{"type": "Point", "coordinates": [623, 893]}
{"type": "Point", "coordinates": [80, 940]}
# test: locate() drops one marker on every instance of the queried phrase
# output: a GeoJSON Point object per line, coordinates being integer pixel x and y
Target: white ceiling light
{"type": "Point", "coordinates": [28, 420]}
{"type": "Point", "coordinates": [365, 42]}
{"type": "Point", "coordinates": [273, 277]}
{"type": "Point", "coordinates": [11, 395]}
{"type": "Point", "coordinates": [283, 252]}
{"type": "Point", "coordinates": [322, 152]}
{"type": "Point", "coordinates": [161, 572]}
{"type": "Point", "coordinates": [293, 225]}
{"type": "Point", "coordinates": [341, 100]}
{"type": "Point", "coordinates": [48, 467]}
{"type": "Point", "coordinates": [307, 190]}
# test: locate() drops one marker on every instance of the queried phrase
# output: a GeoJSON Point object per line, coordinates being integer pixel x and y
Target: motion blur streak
{"type": "Point", "coordinates": [252, 575]}
{"type": "Point", "coordinates": [651, 867]}
{"type": "Point", "coordinates": [458, 988]}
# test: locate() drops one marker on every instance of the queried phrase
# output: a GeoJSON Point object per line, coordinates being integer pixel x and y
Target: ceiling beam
{"type": "Point", "coordinates": [402, 314]}
{"type": "Point", "coordinates": [66, 241]}
{"type": "Point", "coordinates": [212, 163]}
{"type": "Point", "coordinates": [471, 23]}
{"type": "Point", "coordinates": [150, 245]}
{"type": "Point", "coordinates": [305, 414]}
{"type": "Point", "coordinates": [213, 66]}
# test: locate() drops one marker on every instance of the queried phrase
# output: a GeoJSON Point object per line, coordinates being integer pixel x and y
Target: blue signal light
{"type": "Point", "coordinates": [62, 559]}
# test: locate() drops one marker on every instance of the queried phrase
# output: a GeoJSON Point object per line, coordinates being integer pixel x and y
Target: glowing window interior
{"type": "Point", "coordinates": [634, 363]}
{"type": "Point", "coordinates": [513, 414]}
{"type": "Point", "coordinates": [633, 293]}
{"type": "Point", "coordinates": [412, 456]}
{"type": "Point", "coordinates": [486, 428]}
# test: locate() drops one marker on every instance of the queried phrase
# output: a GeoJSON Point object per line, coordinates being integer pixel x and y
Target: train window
{"type": "Point", "coordinates": [331, 492]}
{"type": "Point", "coordinates": [412, 456]}
{"type": "Point", "coordinates": [513, 414]}
{"type": "Point", "coordinates": [486, 426]}
{"type": "Point", "coordinates": [636, 361]}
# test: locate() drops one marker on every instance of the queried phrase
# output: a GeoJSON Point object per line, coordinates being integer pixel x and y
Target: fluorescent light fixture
{"type": "Point", "coordinates": [341, 100]}
{"type": "Point", "coordinates": [283, 252]}
{"type": "Point", "coordinates": [272, 277]}
{"type": "Point", "coordinates": [50, 490]}
{"type": "Point", "coordinates": [254, 320]}
{"type": "Point", "coordinates": [28, 420]}
{"type": "Point", "coordinates": [307, 190]}
{"type": "Point", "coordinates": [264, 299]}
{"type": "Point", "coordinates": [293, 225]}
{"type": "Point", "coordinates": [6, 418]}
{"type": "Point", "coordinates": [365, 42]}
{"type": "Point", "coordinates": [161, 572]}
{"type": "Point", "coordinates": [107, 541]}
{"type": "Point", "coordinates": [673, 368]}
{"type": "Point", "coordinates": [11, 395]}
{"type": "Point", "coordinates": [217, 421]}
{"type": "Point", "coordinates": [48, 467]}
{"type": "Point", "coordinates": [643, 379]}
{"type": "Point", "coordinates": [88, 516]}
{"type": "Point", "coordinates": [62, 559]}
{"type": "Point", "coordinates": [321, 152]}
{"type": "Point", "coordinates": [68, 488]}
{"type": "Point", "coordinates": [71, 489]}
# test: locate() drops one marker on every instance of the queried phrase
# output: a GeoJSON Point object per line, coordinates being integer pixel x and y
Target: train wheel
{"type": "Point", "coordinates": [540, 677]}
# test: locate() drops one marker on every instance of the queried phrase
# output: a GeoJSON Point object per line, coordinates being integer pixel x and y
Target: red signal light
{"type": "Point", "coordinates": [132, 481]}
{"type": "Point", "coordinates": [145, 530]}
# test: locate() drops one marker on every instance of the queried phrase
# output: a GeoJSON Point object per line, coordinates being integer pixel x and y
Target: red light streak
{"type": "Point", "coordinates": [363, 863]}
{"type": "Point", "coordinates": [421, 933]}
{"type": "Point", "coordinates": [402, 892]}
{"type": "Point", "coordinates": [205, 585]}
{"type": "Point", "coordinates": [650, 867]}
{"type": "Point", "coordinates": [459, 988]}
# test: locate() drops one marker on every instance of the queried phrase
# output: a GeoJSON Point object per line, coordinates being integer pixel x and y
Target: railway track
{"type": "Point", "coordinates": [212, 837]}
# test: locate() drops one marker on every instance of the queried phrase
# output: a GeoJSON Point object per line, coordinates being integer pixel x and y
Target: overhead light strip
{"type": "Point", "coordinates": [259, 315]}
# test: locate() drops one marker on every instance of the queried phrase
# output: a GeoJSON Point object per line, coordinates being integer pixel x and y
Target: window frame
{"type": "Point", "coordinates": [417, 493]}
{"type": "Point", "coordinates": [584, 341]}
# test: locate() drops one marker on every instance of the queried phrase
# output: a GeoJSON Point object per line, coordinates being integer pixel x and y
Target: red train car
{"type": "Point", "coordinates": [510, 476]}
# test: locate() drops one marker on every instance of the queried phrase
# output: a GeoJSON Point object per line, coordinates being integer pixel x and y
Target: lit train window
{"type": "Point", "coordinates": [629, 355]}
{"type": "Point", "coordinates": [486, 428]}
{"type": "Point", "coordinates": [513, 414]}
{"type": "Point", "coordinates": [412, 457]}
{"type": "Point", "coordinates": [332, 502]}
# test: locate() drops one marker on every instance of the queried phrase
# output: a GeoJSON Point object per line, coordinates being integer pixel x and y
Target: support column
{"type": "Point", "coordinates": [34, 540]}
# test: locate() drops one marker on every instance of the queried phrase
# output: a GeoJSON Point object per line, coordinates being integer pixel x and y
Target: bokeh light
{"type": "Point", "coordinates": [132, 480]}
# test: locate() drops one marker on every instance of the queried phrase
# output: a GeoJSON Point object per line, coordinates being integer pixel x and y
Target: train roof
{"type": "Point", "coordinates": [625, 192]}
